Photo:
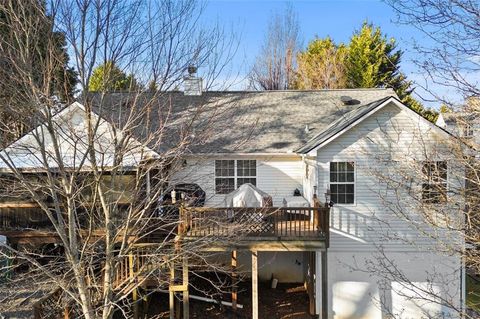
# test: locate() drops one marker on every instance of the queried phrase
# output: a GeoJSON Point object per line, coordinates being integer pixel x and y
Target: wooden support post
{"type": "Point", "coordinates": [148, 182]}
{"type": "Point", "coordinates": [171, 293]}
{"type": "Point", "coordinates": [178, 314]}
{"type": "Point", "coordinates": [186, 301]}
{"type": "Point", "coordinates": [311, 282]}
{"type": "Point", "coordinates": [234, 280]}
{"type": "Point", "coordinates": [324, 285]}
{"type": "Point", "coordinates": [254, 284]}
{"type": "Point", "coordinates": [66, 313]}
{"type": "Point", "coordinates": [134, 292]}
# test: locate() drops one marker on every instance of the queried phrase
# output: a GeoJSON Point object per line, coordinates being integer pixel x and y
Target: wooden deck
{"type": "Point", "coordinates": [293, 226]}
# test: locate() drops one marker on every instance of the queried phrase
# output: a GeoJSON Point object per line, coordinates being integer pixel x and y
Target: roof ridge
{"type": "Point", "coordinates": [254, 91]}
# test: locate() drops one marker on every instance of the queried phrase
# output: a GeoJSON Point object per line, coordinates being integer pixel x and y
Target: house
{"type": "Point", "coordinates": [463, 123]}
{"type": "Point", "coordinates": [379, 163]}
{"type": "Point", "coordinates": [314, 142]}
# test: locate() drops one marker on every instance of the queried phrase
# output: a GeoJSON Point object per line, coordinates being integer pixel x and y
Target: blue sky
{"type": "Point", "coordinates": [338, 19]}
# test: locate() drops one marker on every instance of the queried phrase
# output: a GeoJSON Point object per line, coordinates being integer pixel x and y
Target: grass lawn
{"type": "Point", "coordinates": [473, 293]}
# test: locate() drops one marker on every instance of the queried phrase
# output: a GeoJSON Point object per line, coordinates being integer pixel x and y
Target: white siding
{"type": "Point", "coordinates": [277, 176]}
{"type": "Point", "coordinates": [366, 235]}
{"type": "Point", "coordinates": [383, 144]}
{"type": "Point", "coordinates": [356, 294]}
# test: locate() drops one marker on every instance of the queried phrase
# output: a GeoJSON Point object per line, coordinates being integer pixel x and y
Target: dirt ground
{"type": "Point", "coordinates": [287, 301]}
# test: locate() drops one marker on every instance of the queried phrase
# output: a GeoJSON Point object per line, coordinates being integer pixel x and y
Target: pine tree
{"type": "Point", "coordinates": [47, 46]}
{"type": "Point", "coordinates": [108, 77]}
{"type": "Point", "coordinates": [34, 58]}
{"type": "Point", "coordinates": [369, 60]}
{"type": "Point", "coordinates": [374, 61]}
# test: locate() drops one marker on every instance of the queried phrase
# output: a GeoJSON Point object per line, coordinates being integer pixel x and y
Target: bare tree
{"type": "Point", "coordinates": [275, 65]}
{"type": "Point", "coordinates": [448, 56]}
{"type": "Point", "coordinates": [91, 174]}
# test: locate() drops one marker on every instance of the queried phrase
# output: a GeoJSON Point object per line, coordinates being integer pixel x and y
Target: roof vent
{"type": "Point", "coordinates": [347, 100]}
{"type": "Point", "coordinates": [307, 129]}
{"type": "Point", "coordinates": [192, 85]}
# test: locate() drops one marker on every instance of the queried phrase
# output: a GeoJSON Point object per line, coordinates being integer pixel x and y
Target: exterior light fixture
{"type": "Point", "coordinates": [328, 196]}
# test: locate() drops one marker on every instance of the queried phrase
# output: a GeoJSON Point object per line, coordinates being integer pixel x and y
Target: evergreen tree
{"type": "Point", "coordinates": [373, 60]}
{"type": "Point", "coordinates": [369, 60]}
{"type": "Point", "coordinates": [33, 58]}
{"type": "Point", "coordinates": [321, 65]}
{"type": "Point", "coordinates": [108, 77]}
{"type": "Point", "coordinates": [47, 47]}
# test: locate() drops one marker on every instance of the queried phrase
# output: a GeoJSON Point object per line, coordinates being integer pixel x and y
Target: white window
{"type": "Point", "coordinates": [434, 188]}
{"type": "Point", "coordinates": [231, 174]}
{"type": "Point", "coordinates": [342, 182]}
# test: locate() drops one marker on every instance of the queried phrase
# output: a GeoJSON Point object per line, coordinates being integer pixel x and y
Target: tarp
{"type": "Point", "coordinates": [247, 195]}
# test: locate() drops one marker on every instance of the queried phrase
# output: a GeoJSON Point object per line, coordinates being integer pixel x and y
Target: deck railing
{"type": "Point", "coordinates": [271, 222]}
{"type": "Point", "coordinates": [139, 262]}
{"type": "Point", "coordinates": [250, 223]}
{"type": "Point", "coordinates": [23, 216]}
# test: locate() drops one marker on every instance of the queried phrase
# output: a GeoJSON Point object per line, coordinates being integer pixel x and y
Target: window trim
{"type": "Point", "coordinates": [345, 183]}
{"type": "Point", "coordinates": [235, 175]}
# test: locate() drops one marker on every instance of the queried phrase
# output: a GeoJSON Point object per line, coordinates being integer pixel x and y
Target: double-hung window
{"type": "Point", "coordinates": [342, 182]}
{"type": "Point", "coordinates": [434, 188]}
{"type": "Point", "coordinates": [231, 174]}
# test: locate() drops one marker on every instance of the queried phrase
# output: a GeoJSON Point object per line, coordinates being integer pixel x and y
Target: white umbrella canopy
{"type": "Point", "coordinates": [247, 195]}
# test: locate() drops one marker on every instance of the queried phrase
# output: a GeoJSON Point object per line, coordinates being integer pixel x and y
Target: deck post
{"type": "Point", "coordinates": [324, 285]}
{"type": "Point", "coordinates": [171, 293]}
{"type": "Point", "coordinates": [311, 282]}
{"type": "Point", "coordinates": [134, 292]}
{"type": "Point", "coordinates": [66, 313]}
{"type": "Point", "coordinates": [186, 303]}
{"type": "Point", "coordinates": [254, 284]}
{"type": "Point", "coordinates": [234, 280]}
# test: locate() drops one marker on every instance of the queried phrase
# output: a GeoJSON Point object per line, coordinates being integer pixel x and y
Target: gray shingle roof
{"type": "Point", "coordinates": [244, 122]}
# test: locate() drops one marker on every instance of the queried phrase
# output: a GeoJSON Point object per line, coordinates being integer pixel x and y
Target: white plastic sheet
{"type": "Point", "coordinates": [247, 195]}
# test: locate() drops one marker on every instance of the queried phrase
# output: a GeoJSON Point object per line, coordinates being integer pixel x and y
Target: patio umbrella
{"type": "Point", "coordinates": [247, 195]}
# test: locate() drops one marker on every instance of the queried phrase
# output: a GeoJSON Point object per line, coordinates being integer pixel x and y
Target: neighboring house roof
{"type": "Point", "coordinates": [245, 122]}
{"type": "Point", "coordinates": [451, 119]}
{"type": "Point", "coordinates": [36, 149]}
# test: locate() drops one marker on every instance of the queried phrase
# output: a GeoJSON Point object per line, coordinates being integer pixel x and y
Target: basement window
{"type": "Point", "coordinates": [342, 182]}
{"type": "Point", "coordinates": [434, 188]}
{"type": "Point", "coordinates": [231, 174]}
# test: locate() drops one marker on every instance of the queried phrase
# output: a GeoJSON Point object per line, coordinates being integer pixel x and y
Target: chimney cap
{"type": "Point", "coordinates": [192, 69]}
